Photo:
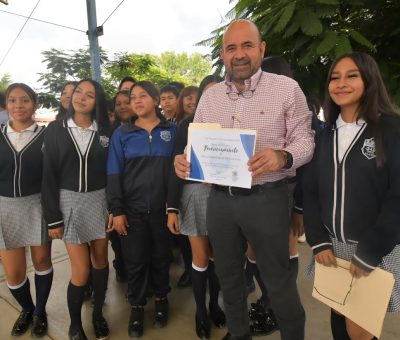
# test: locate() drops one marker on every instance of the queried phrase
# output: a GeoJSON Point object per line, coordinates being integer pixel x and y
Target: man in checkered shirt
{"type": "Point", "coordinates": [276, 107]}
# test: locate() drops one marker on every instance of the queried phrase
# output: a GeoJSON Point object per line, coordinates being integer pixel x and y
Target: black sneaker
{"type": "Point", "coordinates": [135, 326]}
{"type": "Point", "coordinates": [39, 326]}
{"type": "Point", "coordinates": [263, 323]}
{"type": "Point", "coordinates": [263, 327]}
{"type": "Point", "coordinates": [256, 309]}
{"type": "Point", "coordinates": [101, 328]}
{"type": "Point", "coordinates": [161, 312]}
{"type": "Point", "coordinates": [22, 323]}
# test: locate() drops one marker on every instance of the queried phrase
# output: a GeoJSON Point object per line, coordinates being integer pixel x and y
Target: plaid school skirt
{"type": "Point", "coordinates": [21, 222]}
{"type": "Point", "coordinates": [85, 215]}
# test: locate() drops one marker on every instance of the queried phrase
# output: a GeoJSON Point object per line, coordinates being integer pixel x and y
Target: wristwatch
{"type": "Point", "coordinates": [288, 159]}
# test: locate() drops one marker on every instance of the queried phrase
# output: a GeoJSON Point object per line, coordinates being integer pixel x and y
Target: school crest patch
{"type": "Point", "coordinates": [165, 135]}
{"type": "Point", "coordinates": [104, 141]}
{"type": "Point", "coordinates": [368, 149]}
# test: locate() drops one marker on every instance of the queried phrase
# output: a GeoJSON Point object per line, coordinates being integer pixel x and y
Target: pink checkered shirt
{"type": "Point", "coordinates": [277, 110]}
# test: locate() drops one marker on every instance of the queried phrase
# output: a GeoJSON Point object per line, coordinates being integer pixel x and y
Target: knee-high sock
{"type": "Point", "coordinates": [100, 279]}
{"type": "Point", "coordinates": [199, 285]}
{"type": "Point", "coordinates": [43, 282]}
{"type": "Point", "coordinates": [338, 327]}
{"type": "Point", "coordinates": [75, 301]}
{"type": "Point", "coordinates": [249, 271]}
{"type": "Point", "coordinates": [213, 283]}
{"type": "Point", "coordinates": [22, 294]}
{"type": "Point", "coordinates": [294, 267]}
{"type": "Point", "coordinates": [264, 291]}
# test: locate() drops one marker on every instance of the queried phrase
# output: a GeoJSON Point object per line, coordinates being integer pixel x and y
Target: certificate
{"type": "Point", "coordinates": [220, 156]}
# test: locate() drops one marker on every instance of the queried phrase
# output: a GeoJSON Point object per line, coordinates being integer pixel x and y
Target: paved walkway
{"type": "Point", "coordinates": [181, 325]}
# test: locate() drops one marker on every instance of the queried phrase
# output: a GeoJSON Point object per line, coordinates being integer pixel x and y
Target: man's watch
{"type": "Point", "coordinates": [288, 159]}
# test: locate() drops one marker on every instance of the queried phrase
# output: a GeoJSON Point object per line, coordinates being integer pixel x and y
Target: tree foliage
{"type": "Point", "coordinates": [63, 66]}
{"type": "Point", "coordinates": [5, 80]}
{"type": "Point", "coordinates": [311, 33]}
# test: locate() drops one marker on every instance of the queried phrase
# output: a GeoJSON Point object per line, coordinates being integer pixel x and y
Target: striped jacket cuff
{"type": "Point", "coordinates": [362, 264]}
{"type": "Point", "coordinates": [320, 247]}
{"type": "Point", "coordinates": [55, 225]}
{"type": "Point", "coordinates": [173, 210]}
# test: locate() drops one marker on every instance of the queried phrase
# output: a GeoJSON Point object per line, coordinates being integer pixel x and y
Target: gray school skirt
{"type": "Point", "coordinates": [390, 263]}
{"type": "Point", "coordinates": [85, 215]}
{"type": "Point", "coordinates": [194, 209]}
{"type": "Point", "coordinates": [21, 222]}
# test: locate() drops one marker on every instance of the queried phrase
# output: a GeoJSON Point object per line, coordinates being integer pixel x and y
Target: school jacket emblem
{"type": "Point", "coordinates": [368, 149]}
{"type": "Point", "coordinates": [104, 141]}
{"type": "Point", "coordinates": [165, 135]}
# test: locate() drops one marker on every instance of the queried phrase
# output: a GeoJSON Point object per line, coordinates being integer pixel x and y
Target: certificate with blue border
{"type": "Point", "coordinates": [220, 156]}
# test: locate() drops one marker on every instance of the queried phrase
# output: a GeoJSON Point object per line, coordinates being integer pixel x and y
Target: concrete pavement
{"type": "Point", "coordinates": [181, 324]}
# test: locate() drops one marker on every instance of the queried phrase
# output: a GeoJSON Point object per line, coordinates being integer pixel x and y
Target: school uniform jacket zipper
{"type": "Point", "coordinates": [151, 168]}
{"type": "Point", "coordinates": [339, 190]}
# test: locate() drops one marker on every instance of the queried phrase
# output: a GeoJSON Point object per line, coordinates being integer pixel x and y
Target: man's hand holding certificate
{"type": "Point", "coordinates": [220, 156]}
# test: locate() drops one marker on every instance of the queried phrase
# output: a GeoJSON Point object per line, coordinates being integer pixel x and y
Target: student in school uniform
{"type": "Point", "coordinates": [169, 102]}
{"type": "Point", "coordinates": [187, 216]}
{"type": "Point", "coordinates": [21, 223]}
{"type": "Point", "coordinates": [123, 113]}
{"type": "Point", "coordinates": [139, 164]}
{"type": "Point", "coordinates": [65, 98]}
{"type": "Point", "coordinates": [74, 198]}
{"type": "Point", "coordinates": [352, 186]}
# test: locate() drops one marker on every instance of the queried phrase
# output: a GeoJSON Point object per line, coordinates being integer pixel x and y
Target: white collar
{"type": "Point", "coordinates": [72, 124]}
{"type": "Point", "coordinates": [340, 122]}
{"type": "Point", "coordinates": [32, 128]}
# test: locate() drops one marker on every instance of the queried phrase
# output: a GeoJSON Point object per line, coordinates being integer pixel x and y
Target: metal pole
{"type": "Point", "coordinates": [93, 40]}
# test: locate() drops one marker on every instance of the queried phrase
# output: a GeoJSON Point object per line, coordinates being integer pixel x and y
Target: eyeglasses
{"type": "Point", "coordinates": [245, 94]}
{"type": "Point", "coordinates": [342, 302]}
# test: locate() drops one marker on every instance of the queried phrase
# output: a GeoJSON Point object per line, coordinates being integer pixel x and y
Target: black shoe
{"type": "Point", "coordinates": [263, 322]}
{"type": "Point", "coordinates": [101, 328]}
{"type": "Point", "coordinates": [39, 326]}
{"type": "Point", "coordinates": [87, 294]}
{"type": "Point", "coordinates": [135, 326]}
{"type": "Point", "coordinates": [263, 327]}
{"type": "Point", "coordinates": [185, 280]}
{"type": "Point", "coordinates": [22, 324]}
{"type": "Point", "coordinates": [202, 328]}
{"type": "Point", "coordinates": [78, 335]}
{"type": "Point", "coordinates": [228, 336]}
{"type": "Point", "coordinates": [217, 316]}
{"type": "Point", "coordinates": [256, 309]}
{"type": "Point", "coordinates": [161, 313]}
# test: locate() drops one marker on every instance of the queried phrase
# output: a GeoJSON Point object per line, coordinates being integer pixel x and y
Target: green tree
{"type": "Point", "coordinates": [5, 80]}
{"type": "Point", "coordinates": [311, 33]}
{"type": "Point", "coordinates": [63, 66]}
{"type": "Point", "coordinates": [191, 68]}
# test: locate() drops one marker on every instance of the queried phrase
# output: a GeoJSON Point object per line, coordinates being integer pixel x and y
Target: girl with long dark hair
{"type": "Point", "coordinates": [352, 186]}
{"type": "Point", "coordinates": [74, 198]}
